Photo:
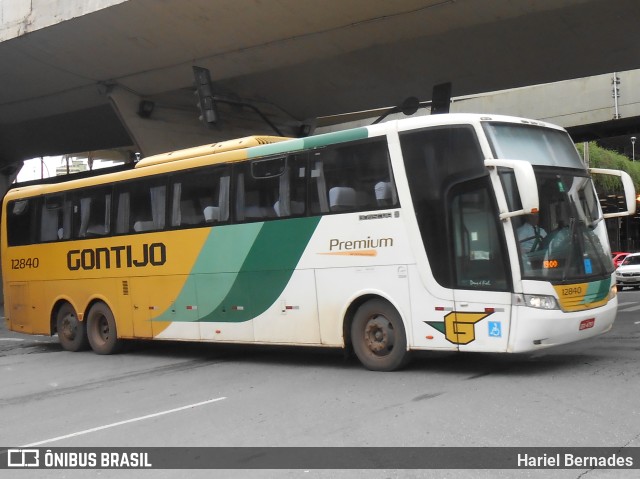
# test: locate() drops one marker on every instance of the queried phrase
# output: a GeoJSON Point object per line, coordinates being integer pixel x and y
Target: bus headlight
{"type": "Point", "coordinates": [613, 292]}
{"type": "Point", "coordinates": [540, 301]}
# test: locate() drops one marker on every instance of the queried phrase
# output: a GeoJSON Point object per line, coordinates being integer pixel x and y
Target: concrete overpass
{"type": "Point", "coordinates": [597, 107]}
{"type": "Point", "coordinates": [74, 73]}
{"type": "Point", "coordinates": [600, 107]}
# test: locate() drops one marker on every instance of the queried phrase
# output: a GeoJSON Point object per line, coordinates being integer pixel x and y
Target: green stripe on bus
{"type": "Point", "coordinates": [243, 269]}
{"type": "Point", "coordinates": [309, 142]}
{"type": "Point", "coordinates": [337, 137]}
{"type": "Point", "coordinates": [226, 248]}
{"type": "Point", "coordinates": [597, 291]}
{"type": "Point", "coordinates": [215, 269]}
{"type": "Point", "coordinates": [266, 270]}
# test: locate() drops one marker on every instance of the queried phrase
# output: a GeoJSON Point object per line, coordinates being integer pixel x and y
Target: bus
{"type": "Point", "coordinates": [383, 240]}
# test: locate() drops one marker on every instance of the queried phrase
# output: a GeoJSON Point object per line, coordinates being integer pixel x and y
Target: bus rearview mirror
{"type": "Point", "coordinates": [525, 182]}
{"type": "Point", "coordinates": [627, 187]}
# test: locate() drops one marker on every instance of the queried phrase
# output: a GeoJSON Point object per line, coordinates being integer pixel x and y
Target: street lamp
{"type": "Point", "coordinates": [633, 148]}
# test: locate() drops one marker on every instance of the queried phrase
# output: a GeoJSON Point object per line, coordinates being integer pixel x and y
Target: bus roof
{"type": "Point", "coordinates": [212, 149]}
{"type": "Point", "coordinates": [252, 147]}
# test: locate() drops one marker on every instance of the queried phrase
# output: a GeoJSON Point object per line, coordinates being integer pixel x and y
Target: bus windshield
{"type": "Point", "coordinates": [567, 240]}
{"type": "Point", "coordinates": [539, 146]}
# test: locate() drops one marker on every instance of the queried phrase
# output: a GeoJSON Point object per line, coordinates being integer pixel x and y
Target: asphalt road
{"type": "Point", "coordinates": [178, 394]}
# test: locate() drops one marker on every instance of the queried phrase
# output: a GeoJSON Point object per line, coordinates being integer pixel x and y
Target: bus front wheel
{"type": "Point", "coordinates": [72, 333]}
{"type": "Point", "coordinates": [378, 336]}
{"type": "Point", "coordinates": [101, 330]}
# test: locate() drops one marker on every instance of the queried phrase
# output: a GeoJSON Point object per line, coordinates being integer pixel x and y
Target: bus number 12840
{"type": "Point", "coordinates": [25, 263]}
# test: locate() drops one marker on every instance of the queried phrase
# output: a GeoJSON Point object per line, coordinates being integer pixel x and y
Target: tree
{"type": "Point", "coordinates": [602, 158]}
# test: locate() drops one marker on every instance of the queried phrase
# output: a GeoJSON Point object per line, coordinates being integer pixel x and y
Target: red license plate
{"type": "Point", "coordinates": [587, 323]}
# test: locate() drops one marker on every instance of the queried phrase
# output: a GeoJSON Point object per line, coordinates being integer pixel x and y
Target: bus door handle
{"type": "Point", "coordinates": [464, 305]}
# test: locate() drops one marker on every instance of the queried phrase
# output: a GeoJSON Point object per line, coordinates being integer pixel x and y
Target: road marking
{"type": "Point", "coordinates": [11, 339]}
{"type": "Point", "coordinates": [120, 423]}
{"type": "Point", "coordinates": [632, 308]}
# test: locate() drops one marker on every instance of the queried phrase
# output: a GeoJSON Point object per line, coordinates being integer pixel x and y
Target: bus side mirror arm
{"type": "Point", "coordinates": [525, 182]}
{"type": "Point", "coordinates": [629, 190]}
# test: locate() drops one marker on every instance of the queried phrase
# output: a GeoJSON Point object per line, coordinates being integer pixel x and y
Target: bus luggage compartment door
{"type": "Point", "coordinates": [19, 309]}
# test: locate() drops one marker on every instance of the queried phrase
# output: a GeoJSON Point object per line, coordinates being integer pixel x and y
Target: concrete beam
{"type": "Point", "coordinates": [164, 130]}
{"type": "Point", "coordinates": [18, 17]}
{"type": "Point", "coordinates": [172, 127]}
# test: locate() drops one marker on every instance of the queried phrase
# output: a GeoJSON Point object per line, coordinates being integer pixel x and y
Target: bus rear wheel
{"type": "Point", "coordinates": [101, 330]}
{"type": "Point", "coordinates": [378, 336]}
{"type": "Point", "coordinates": [72, 333]}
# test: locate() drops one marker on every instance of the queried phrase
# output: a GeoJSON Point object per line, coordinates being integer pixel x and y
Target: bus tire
{"type": "Point", "coordinates": [378, 336]}
{"type": "Point", "coordinates": [72, 333]}
{"type": "Point", "coordinates": [101, 330]}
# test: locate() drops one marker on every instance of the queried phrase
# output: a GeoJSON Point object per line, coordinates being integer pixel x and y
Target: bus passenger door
{"type": "Point", "coordinates": [482, 289]}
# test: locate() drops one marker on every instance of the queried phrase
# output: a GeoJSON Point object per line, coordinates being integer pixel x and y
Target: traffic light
{"type": "Point", "coordinates": [204, 90]}
{"type": "Point", "coordinates": [441, 98]}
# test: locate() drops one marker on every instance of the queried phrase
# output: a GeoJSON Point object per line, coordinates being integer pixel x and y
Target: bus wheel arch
{"type": "Point", "coordinates": [102, 332]}
{"type": "Point", "coordinates": [72, 333]}
{"type": "Point", "coordinates": [374, 328]}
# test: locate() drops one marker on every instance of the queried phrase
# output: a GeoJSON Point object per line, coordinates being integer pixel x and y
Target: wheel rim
{"type": "Point", "coordinates": [379, 336]}
{"type": "Point", "coordinates": [69, 327]}
{"type": "Point", "coordinates": [103, 328]}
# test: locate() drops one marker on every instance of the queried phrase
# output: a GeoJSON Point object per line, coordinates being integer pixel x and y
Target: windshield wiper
{"type": "Point", "coordinates": [595, 222]}
{"type": "Point", "coordinates": [572, 234]}
{"type": "Point", "coordinates": [597, 248]}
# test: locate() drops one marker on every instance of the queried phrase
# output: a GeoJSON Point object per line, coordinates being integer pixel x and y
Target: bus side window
{"type": "Point", "coordinates": [91, 213]}
{"type": "Point", "coordinates": [200, 197]}
{"type": "Point", "coordinates": [21, 222]}
{"type": "Point", "coordinates": [123, 211]}
{"type": "Point", "coordinates": [292, 194]}
{"type": "Point", "coordinates": [352, 177]}
{"type": "Point", "coordinates": [141, 206]}
{"type": "Point", "coordinates": [271, 188]}
{"type": "Point", "coordinates": [479, 257]}
{"type": "Point", "coordinates": [319, 202]}
{"type": "Point", "coordinates": [52, 218]}
{"type": "Point", "coordinates": [435, 159]}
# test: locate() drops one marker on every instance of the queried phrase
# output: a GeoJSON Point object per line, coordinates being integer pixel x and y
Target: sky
{"type": "Point", "coordinates": [37, 168]}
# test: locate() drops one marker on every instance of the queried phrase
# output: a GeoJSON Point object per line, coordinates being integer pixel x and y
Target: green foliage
{"type": "Point", "coordinates": [602, 158]}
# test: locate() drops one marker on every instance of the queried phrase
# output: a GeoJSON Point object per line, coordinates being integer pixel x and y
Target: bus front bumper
{"type": "Point", "coordinates": [536, 328]}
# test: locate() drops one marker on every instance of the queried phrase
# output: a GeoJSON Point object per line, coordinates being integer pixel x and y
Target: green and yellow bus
{"type": "Point", "coordinates": [386, 239]}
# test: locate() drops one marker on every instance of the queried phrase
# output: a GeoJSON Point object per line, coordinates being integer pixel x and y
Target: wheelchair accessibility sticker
{"type": "Point", "coordinates": [495, 329]}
